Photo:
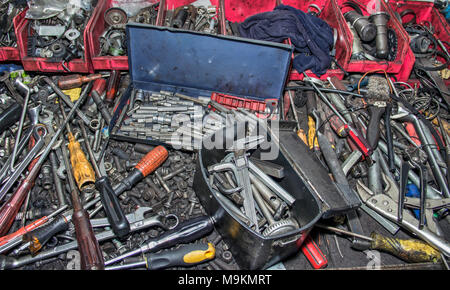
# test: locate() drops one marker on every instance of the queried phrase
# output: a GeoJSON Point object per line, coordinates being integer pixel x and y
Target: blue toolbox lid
{"type": "Point", "coordinates": [198, 64]}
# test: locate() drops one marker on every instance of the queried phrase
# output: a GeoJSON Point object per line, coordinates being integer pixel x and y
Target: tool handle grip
{"type": "Point", "coordinates": [389, 137]}
{"type": "Point", "coordinates": [313, 253]}
{"type": "Point", "coordinates": [99, 86]}
{"type": "Point", "coordinates": [10, 209]}
{"type": "Point", "coordinates": [373, 129]}
{"type": "Point", "coordinates": [10, 116]}
{"type": "Point", "coordinates": [186, 232]}
{"type": "Point", "coordinates": [40, 236]}
{"type": "Point", "coordinates": [91, 257]}
{"type": "Point", "coordinates": [114, 213]}
{"type": "Point", "coordinates": [411, 250]}
{"type": "Point", "coordinates": [23, 230]}
{"type": "Point", "coordinates": [82, 169]}
{"type": "Point", "coordinates": [152, 160]}
{"type": "Point", "coordinates": [112, 86]}
{"type": "Point", "coordinates": [184, 256]}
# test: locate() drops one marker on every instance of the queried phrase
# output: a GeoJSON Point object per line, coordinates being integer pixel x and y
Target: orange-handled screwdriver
{"type": "Point", "coordinates": [76, 81]}
{"type": "Point", "coordinates": [147, 165]}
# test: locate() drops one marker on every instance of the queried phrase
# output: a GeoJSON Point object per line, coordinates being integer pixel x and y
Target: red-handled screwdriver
{"type": "Point", "coordinates": [313, 253]}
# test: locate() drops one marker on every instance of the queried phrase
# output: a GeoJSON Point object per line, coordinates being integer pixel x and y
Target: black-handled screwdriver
{"type": "Point", "coordinates": [186, 232]}
{"type": "Point", "coordinates": [110, 201]}
{"type": "Point", "coordinates": [184, 256]}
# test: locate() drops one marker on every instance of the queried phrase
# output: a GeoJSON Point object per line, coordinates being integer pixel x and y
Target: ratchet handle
{"type": "Point", "coordinates": [184, 256]}
{"type": "Point", "coordinates": [373, 129]}
{"type": "Point", "coordinates": [116, 216]}
{"type": "Point", "coordinates": [91, 257]}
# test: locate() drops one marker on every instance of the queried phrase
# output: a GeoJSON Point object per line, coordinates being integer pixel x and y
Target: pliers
{"type": "Point", "coordinates": [387, 206]}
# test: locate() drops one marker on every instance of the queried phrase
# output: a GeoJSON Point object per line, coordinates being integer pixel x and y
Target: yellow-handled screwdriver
{"type": "Point", "coordinates": [410, 250]}
{"type": "Point", "coordinates": [184, 256]}
{"type": "Point", "coordinates": [82, 169]}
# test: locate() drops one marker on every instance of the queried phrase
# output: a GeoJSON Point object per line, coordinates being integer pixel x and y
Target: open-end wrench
{"type": "Point", "coordinates": [137, 215]}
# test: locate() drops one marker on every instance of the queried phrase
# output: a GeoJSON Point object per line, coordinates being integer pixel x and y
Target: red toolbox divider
{"type": "Point", "coordinates": [95, 31]}
{"type": "Point", "coordinates": [404, 61]}
{"type": "Point", "coordinates": [43, 64]}
{"type": "Point", "coordinates": [232, 102]}
{"type": "Point", "coordinates": [238, 11]}
{"type": "Point", "coordinates": [12, 53]}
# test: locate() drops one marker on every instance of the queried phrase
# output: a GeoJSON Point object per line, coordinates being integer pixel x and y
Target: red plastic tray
{"type": "Point", "coordinates": [426, 13]}
{"type": "Point", "coordinates": [232, 102]}
{"type": "Point", "coordinates": [336, 20]}
{"type": "Point", "coordinates": [238, 11]}
{"type": "Point", "coordinates": [95, 30]}
{"type": "Point", "coordinates": [43, 64]}
{"type": "Point", "coordinates": [404, 61]}
{"type": "Point", "coordinates": [173, 4]}
{"type": "Point", "coordinates": [12, 53]}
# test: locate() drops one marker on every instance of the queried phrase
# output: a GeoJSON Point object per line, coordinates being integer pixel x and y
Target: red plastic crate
{"type": "Point", "coordinates": [425, 13]}
{"type": "Point", "coordinates": [43, 64]}
{"type": "Point", "coordinates": [336, 20]}
{"type": "Point", "coordinates": [238, 11]}
{"type": "Point", "coordinates": [95, 31]}
{"type": "Point", "coordinates": [12, 53]}
{"type": "Point", "coordinates": [404, 61]}
{"type": "Point", "coordinates": [174, 4]}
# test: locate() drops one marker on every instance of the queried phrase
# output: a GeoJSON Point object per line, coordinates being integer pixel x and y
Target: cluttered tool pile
{"type": "Point", "coordinates": [224, 135]}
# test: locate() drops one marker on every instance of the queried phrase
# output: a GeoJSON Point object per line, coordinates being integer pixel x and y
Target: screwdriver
{"type": "Point", "coordinates": [31, 226]}
{"type": "Point", "coordinates": [82, 169]}
{"type": "Point", "coordinates": [186, 232]}
{"type": "Point", "coordinates": [313, 253]}
{"type": "Point", "coordinates": [76, 81]}
{"type": "Point", "coordinates": [9, 210]}
{"type": "Point", "coordinates": [356, 136]}
{"type": "Point", "coordinates": [184, 256]}
{"type": "Point", "coordinates": [411, 250]}
{"type": "Point", "coordinates": [311, 104]}
{"type": "Point", "coordinates": [146, 165]}
{"type": "Point", "coordinates": [97, 90]}
{"type": "Point", "coordinates": [110, 202]}
{"type": "Point", "coordinates": [112, 86]}
{"type": "Point", "coordinates": [91, 257]}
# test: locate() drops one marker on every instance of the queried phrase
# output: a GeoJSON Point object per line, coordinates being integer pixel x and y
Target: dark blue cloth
{"type": "Point", "coordinates": [311, 36]}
